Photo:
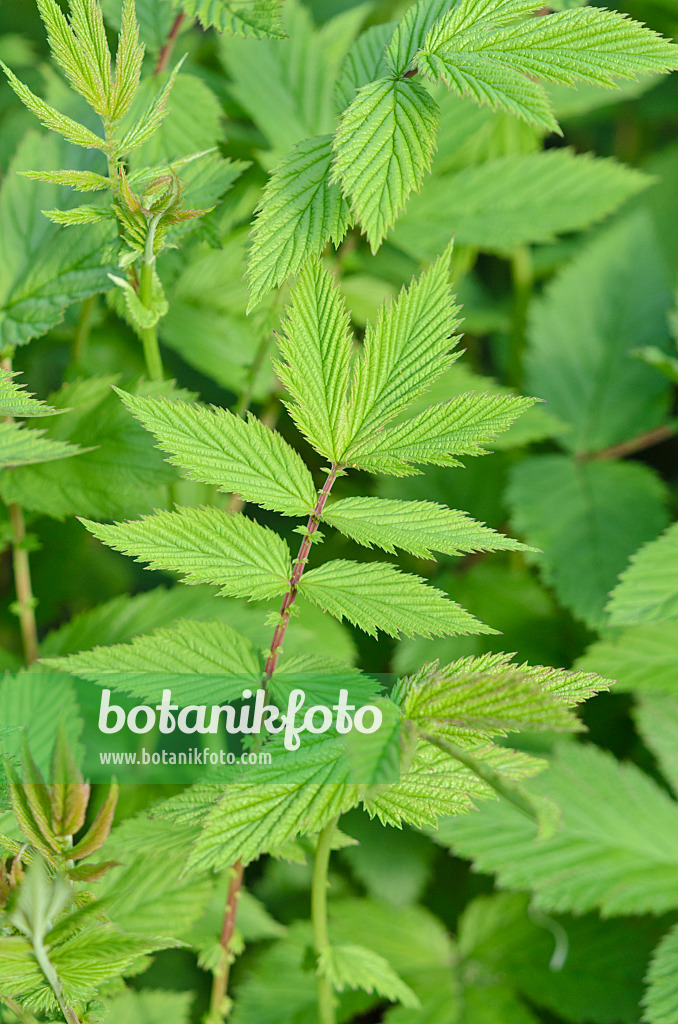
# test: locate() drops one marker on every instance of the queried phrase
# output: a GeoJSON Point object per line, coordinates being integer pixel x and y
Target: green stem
{"type": "Point", "coordinates": [25, 600]}
{"type": "Point", "coordinates": [321, 934]}
{"type": "Point", "coordinates": [82, 328]}
{"type": "Point", "coordinates": [52, 977]}
{"type": "Point", "coordinates": [522, 273]}
{"type": "Point", "coordinates": [19, 1011]}
{"type": "Point", "coordinates": [149, 335]}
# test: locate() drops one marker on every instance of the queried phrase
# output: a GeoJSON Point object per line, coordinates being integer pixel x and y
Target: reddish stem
{"type": "Point", "coordinates": [297, 572]}
{"type": "Point", "coordinates": [220, 983]}
{"type": "Point", "coordinates": [166, 51]}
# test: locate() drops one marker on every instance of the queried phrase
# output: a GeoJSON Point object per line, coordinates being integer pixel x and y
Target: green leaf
{"type": "Point", "coordinates": [408, 348]}
{"type": "Point", "coordinates": [194, 659]}
{"type": "Point", "coordinates": [357, 967]}
{"type": "Point", "coordinates": [316, 347]}
{"type": "Point", "coordinates": [486, 52]}
{"type": "Point", "coordinates": [74, 54]}
{"type": "Point", "coordinates": [152, 118]}
{"type": "Point", "coordinates": [128, 62]}
{"type": "Point", "coordinates": [661, 999]}
{"type": "Point", "coordinates": [376, 596]}
{"type": "Point", "coordinates": [239, 456]}
{"type": "Point", "coordinates": [120, 474]}
{"type": "Point", "coordinates": [383, 147]}
{"type": "Point", "coordinates": [258, 18]}
{"type": "Point", "coordinates": [615, 850]}
{"type": "Point", "coordinates": [16, 401]}
{"type": "Point", "coordinates": [419, 527]}
{"type": "Point", "coordinates": [205, 545]}
{"type": "Point", "coordinates": [151, 1006]}
{"type": "Point", "coordinates": [648, 591]}
{"type": "Point", "coordinates": [76, 133]}
{"type": "Point", "coordinates": [656, 718]}
{"type": "Point", "coordinates": [82, 181]}
{"type": "Point", "coordinates": [155, 19]}
{"type": "Point", "coordinates": [643, 658]}
{"type": "Point", "coordinates": [462, 426]}
{"type": "Point", "coordinates": [42, 269]}
{"type": "Point", "coordinates": [20, 447]}
{"type": "Point", "coordinates": [587, 518]}
{"type": "Point", "coordinates": [88, 214]}
{"type": "Point", "coordinates": [490, 695]}
{"type": "Point", "coordinates": [409, 35]}
{"type": "Point", "coordinates": [612, 298]}
{"type": "Point", "coordinates": [298, 214]}
{"type": "Point", "coordinates": [365, 62]}
{"type": "Point", "coordinates": [180, 133]}
{"type": "Point", "coordinates": [515, 200]}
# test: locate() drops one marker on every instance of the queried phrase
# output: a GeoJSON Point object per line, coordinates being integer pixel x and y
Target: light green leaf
{"type": "Point", "coordinates": [205, 545]}
{"type": "Point", "coordinates": [661, 998]}
{"type": "Point", "coordinates": [179, 133]}
{"type": "Point", "coordinates": [419, 527]}
{"type": "Point", "coordinates": [486, 52]}
{"type": "Point", "coordinates": [258, 18]}
{"type": "Point", "coordinates": [656, 718]}
{"type": "Point", "coordinates": [316, 347]}
{"type": "Point", "coordinates": [648, 589]}
{"type": "Point", "coordinates": [611, 299]}
{"type": "Point", "coordinates": [195, 659]}
{"type": "Point", "coordinates": [88, 214]}
{"type": "Point", "coordinates": [298, 214]}
{"type": "Point", "coordinates": [42, 269]}
{"type": "Point", "coordinates": [587, 518]}
{"type": "Point", "coordinates": [16, 401]}
{"type": "Point", "coordinates": [51, 118]}
{"type": "Point", "coordinates": [82, 181]}
{"type": "Point", "coordinates": [376, 596]}
{"type": "Point", "coordinates": [365, 62]}
{"type": "Point", "coordinates": [21, 447]}
{"type": "Point", "coordinates": [515, 200]}
{"type": "Point", "coordinates": [74, 56]}
{"type": "Point", "coordinates": [239, 456]}
{"type": "Point", "coordinates": [490, 695]}
{"type": "Point", "coordinates": [356, 967]}
{"type": "Point", "coordinates": [151, 1006]}
{"type": "Point", "coordinates": [128, 62]}
{"type": "Point", "coordinates": [409, 35]}
{"type": "Point", "coordinates": [407, 349]}
{"type": "Point", "coordinates": [643, 658]}
{"type": "Point", "coordinates": [462, 426]}
{"type": "Point", "coordinates": [120, 474]}
{"type": "Point", "coordinates": [155, 19]}
{"type": "Point", "coordinates": [615, 850]}
{"type": "Point", "coordinates": [383, 147]}
{"type": "Point", "coordinates": [150, 121]}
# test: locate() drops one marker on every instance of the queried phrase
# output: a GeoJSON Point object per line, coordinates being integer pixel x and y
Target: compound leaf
{"type": "Point", "coordinates": [258, 18]}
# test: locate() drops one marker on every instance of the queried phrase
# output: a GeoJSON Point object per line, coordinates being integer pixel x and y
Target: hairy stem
{"type": "Point", "coordinates": [54, 980]}
{"type": "Point", "coordinates": [19, 1011]}
{"type": "Point", "coordinates": [509, 790]}
{"type": "Point", "coordinates": [166, 51]}
{"type": "Point", "coordinates": [25, 601]}
{"type": "Point", "coordinates": [297, 572]}
{"type": "Point", "coordinates": [149, 335]}
{"type": "Point", "coordinates": [321, 935]}
{"type": "Point", "coordinates": [220, 982]}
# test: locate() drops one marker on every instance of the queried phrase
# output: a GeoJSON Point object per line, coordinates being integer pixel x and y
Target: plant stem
{"type": "Point", "coordinates": [523, 283]}
{"type": "Point", "coordinates": [22, 581]}
{"type": "Point", "coordinates": [82, 328]}
{"type": "Point", "coordinates": [166, 51]}
{"type": "Point", "coordinates": [321, 935]}
{"type": "Point", "coordinates": [297, 573]}
{"type": "Point", "coordinates": [220, 982]}
{"type": "Point", "coordinates": [24, 1015]}
{"type": "Point", "coordinates": [48, 969]}
{"type": "Point", "coordinates": [149, 335]}
{"type": "Point", "coordinates": [635, 444]}
{"type": "Point", "coordinates": [22, 572]}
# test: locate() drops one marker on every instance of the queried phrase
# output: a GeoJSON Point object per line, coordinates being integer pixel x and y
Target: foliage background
{"type": "Point", "coordinates": [584, 319]}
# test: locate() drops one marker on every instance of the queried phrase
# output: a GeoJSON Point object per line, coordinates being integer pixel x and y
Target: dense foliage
{"type": "Point", "coordinates": [361, 320]}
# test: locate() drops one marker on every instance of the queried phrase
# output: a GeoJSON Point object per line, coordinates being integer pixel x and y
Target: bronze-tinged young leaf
{"type": "Point", "coordinates": [69, 794]}
{"type": "Point", "coordinates": [98, 832]}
